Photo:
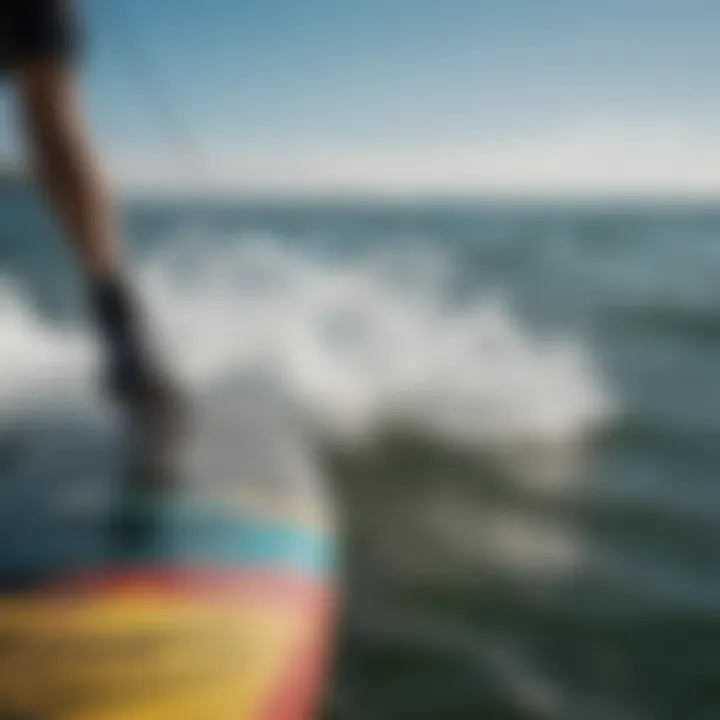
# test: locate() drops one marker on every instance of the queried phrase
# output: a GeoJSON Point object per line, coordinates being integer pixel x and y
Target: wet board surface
{"type": "Point", "coordinates": [212, 598]}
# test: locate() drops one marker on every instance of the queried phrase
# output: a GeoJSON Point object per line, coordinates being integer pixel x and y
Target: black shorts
{"type": "Point", "coordinates": [37, 30]}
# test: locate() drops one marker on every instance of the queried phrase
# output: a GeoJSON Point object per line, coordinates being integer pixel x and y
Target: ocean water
{"type": "Point", "coordinates": [517, 408]}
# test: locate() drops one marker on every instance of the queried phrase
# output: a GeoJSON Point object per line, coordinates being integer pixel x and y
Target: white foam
{"type": "Point", "coordinates": [37, 361]}
{"type": "Point", "coordinates": [356, 349]}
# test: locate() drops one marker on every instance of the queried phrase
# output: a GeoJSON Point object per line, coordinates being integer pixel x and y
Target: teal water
{"type": "Point", "coordinates": [518, 406]}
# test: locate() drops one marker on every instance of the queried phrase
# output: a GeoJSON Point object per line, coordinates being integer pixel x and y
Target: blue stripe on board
{"type": "Point", "coordinates": [176, 532]}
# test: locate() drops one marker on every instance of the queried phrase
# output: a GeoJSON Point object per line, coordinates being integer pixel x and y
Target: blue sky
{"type": "Point", "coordinates": [460, 93]}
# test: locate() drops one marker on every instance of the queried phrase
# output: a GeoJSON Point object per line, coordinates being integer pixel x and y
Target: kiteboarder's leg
{"type": "Point", "coordinates": [71, 178]}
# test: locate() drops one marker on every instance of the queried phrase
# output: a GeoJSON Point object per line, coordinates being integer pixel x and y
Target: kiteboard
{"type": "Point", "coordinates": [208, 597]}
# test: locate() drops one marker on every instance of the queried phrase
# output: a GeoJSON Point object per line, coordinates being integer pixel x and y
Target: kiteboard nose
{"type": "Point", "coordinates": [207, 597]}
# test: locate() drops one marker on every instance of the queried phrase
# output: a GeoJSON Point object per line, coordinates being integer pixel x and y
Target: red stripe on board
{"type": "Point", "coordinates": [196, 582]}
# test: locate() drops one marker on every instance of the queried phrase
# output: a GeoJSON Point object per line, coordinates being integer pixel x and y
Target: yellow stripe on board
{"type": "Point", "coordinates": [144, 659]}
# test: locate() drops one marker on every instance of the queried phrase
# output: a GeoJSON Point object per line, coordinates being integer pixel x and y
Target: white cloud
{"type": "Point", "coordinates": [594, 158]}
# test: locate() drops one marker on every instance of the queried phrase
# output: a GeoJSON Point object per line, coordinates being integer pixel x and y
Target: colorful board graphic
{"type": "Point", "coordinates": [200, 615]}
{"type": "Point", "coordinates": [210, 599]}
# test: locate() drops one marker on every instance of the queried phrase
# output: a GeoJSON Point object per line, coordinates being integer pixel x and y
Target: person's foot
{"type": "Point", "coordinates": [135, 380]}
{"type": "Point", "coordinates": [134, 377]}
